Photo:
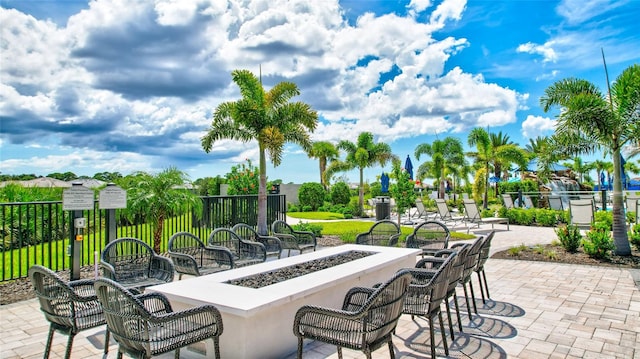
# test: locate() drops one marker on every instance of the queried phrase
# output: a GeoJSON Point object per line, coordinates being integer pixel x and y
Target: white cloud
{"type": "Point", "coordinates": [534, 126]}
{"type": "Point", "coordinates": [546, 50]}
{"type": "Point", "coordinates": [579, 11]}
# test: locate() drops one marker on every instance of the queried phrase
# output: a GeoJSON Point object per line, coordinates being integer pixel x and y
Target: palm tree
{"type": "Point", "coordinates": [446, 156]}
{"type": "Point", "coordinates": [265, 116]}
{"type": "Point", "coordinates": [590, 120]}
{"type": "Point", "coordinates": [577, 166]}
{"type": "Point", "coordinates": [158, 197]}
{"type": "Point", "coordinates": [362, 154]}
{"type": "Point", "coordinates": [324, 151]}
{"type": "Point", "coordinates": [599, 166]}
{"type": "Point", "coordinates": [487, 155]}
{"type": "Point", "coordinates": [544, 151]}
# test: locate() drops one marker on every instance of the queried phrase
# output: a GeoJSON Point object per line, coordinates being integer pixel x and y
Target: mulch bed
{"type": "Point", "coordinates": [551, 253]}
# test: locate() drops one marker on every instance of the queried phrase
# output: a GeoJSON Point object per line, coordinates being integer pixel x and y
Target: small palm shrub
{"type": "Point", "coordinates": [598, 243]}
{"type": "Point", "coordinates": [569, 237]}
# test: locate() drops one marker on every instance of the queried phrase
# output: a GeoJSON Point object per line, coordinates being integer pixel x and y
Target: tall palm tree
{"type": "Point", "coordinates": [543, 150]}
{"type": "Point", "coordinates": [487, 155]}
{"type": "Point", "coordinates": [158, 197]}
{"type": "Point", "coordinates": [578, 166]}
{"type": "Point", "coordinates": [590, 120]}
{"type": "Point", "coordinates": [446, 156]}
{"type": "Point", "coordinates": [324, 151]}
{"type": "Point", "coordinates": [265, 116]}
{"type": "Point", "coordinates": [364, 153]}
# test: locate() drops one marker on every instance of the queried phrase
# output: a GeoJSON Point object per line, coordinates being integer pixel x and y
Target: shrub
{"type": "Point", "coordinates": [521, 216]}
{"type": "Point", "coordinates": [634, 236]}
{"type": "Point", "coordinates": [309, 227]}
{"type": "Point", "coordinates": [307, 209]}
{"type": "Point", "coordinates": [340, 193]}
{"type": "Point", "coordinates": [551, 254]}
{"type": "Point", "coordinates": [546, 217]}
{"type": "Point", "coordinates": [569, 237]}
{"type": "Point", "coordinates": [604, 217]}
{"type": "Point", "coordinates": [293, 208]}
{"type": "Point", "coordinates": [631, 216]}
{"type": "Point", "coordinates": [243, 179]}
{"type": "Point", "coordinates": [598, 244]}
{"type": "Point", "coordinates": [311, 194]}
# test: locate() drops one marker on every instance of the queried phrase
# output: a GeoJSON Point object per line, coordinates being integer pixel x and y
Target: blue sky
{"type": "Point", "coordinates": [93, 86]}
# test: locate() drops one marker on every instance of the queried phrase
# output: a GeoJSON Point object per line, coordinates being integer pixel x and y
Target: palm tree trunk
{"type": "Point", "coordinates": [157, 234]}
{"type": "Point", "coordinates": [620, 238]}
{"type": "Point", "coordinates": [262, 194]}
{"type": "Point", "coordinates": [361, 192]}
{"type": "Point", "coordinates": [485, 200]}
{"type": "Point", "coordinates": [323, 168]}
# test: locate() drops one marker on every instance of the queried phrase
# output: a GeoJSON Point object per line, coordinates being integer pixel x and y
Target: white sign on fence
{"type": "Point", "coordinates": [77, 198]}
{"type": "Point", "coordinates": [113, 197]}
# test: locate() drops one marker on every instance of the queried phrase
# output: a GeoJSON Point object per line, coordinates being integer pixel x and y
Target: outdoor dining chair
{"type": "Point", "coordinates": [190, 256]}
{"type": "Point", "coordinates": [483, 256]}
{"type": "Point", "coordinates": [381, 233]}
{"type": "Point", "coordinates": [430, 236]}
{"type": "Point", "coordinates": [425, 296]}
{"type": "Point", "coordinates": [366, 322]}
{"type": "Point", "coordinates": [272, 244]}
{"type": "Point", "coordinates": [244, 252]}
{"type": "Point", "coordinates": [69, 307]}
{"type": "Point", "coordinates": [293, 239]}
{"type": "Point", "coordinates": [145, 325]}
{"type": "Point", "coordinates": [470, 265]}
{"type": "Point", "coordinates": [581, 212]}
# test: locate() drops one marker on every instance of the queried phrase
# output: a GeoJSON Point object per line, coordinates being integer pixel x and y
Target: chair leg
{"type": "Point", "coordinates": [392, 353]}
{"type": "Point", "coordinates": [455, 301]}
{"type": "Point", "coordinates": [47, 349]}
{"type": "Point", "coordinates": [339, 352]}
{"type": "Point", "coordinates": [481, 289]}
{"type": "Point", "coordinates": [486, 287]}
{"type": "Point", "coordinates": [177, 353]}
{"type": "Point", "coordinates": [216, 346]}
{"type": "Point", "coordinates": [433, 339]}
{"type": "Point", "coordinates": [444, 337]}
{"type": "Point", "coordinates": [466, 298]}
{"type": "Point", "coordinates": [67, 353]}
{"type": "Point", "coordinates": [473, 297]}
{"type": "Point", "coordinates": [106, 341]}
{"type": "Point", "coordinates": [299, 348]}
{"type": "Point", "coordinates": [450, 321]}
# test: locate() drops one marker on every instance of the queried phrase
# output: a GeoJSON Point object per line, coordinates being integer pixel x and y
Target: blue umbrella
{"type": "Point", "coordinates": [602, 179]}
{"type": "Point", "coordinates": [494, 179]}
{"type": "Point", "coordinates": [384, 183]}
{"type": "Point", "coordinates": [408, 166]}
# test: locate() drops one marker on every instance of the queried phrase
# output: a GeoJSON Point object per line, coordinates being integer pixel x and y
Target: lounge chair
{"type": "Point", "coordinates": [445, 215]}
{"type": "Point", "coordinates": [581, 212]}
{"type": "Point", "coordinates": [508, 201]}
{"type": "Point", "coordinates": [528, 203]}
{"type": "Point", "coordinates": [420, 210]}
{"type": "Point", "coordinates": [472, 215]}
{"type": "Point", "coordinates": [555, 202]}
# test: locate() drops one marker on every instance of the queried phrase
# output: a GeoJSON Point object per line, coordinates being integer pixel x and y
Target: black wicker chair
{"type": "Point", "coordinates": [430, 236]}
{"type": "Point", "coordinates": [190, 256]}
{"type": "Point", "coordinates": [70, 307]}
{"type": "Point", "coordinates": [366, 321]}
{"type": "Point", "coordinates": [272, 244]}
{"type": "Point", "coordinates": [483, 256]}
{"type": "Point", "coordinates": [471, 261]}
{"type": "Point", "coordinates": [426, 293]}
{"type": "Point", "coordinates": [145, 325]}
{"type": "Point", "coordinates": [382, 233]}
{"type": "Point", "coordinates": [244, 252]}
{"type": "Point", "coordinates": [134, 264]}
{"type": "Point", "coordinates": [292, 239]}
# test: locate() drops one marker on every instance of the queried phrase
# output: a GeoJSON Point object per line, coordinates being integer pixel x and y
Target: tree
{"type": "Point", "coordinates": [158, 197]}
{"type": "Point", "coordinates": [109, 177]}
{"type": "Point", "coordinates": [447, 156]}
{"type": "Point", "coordinates": [267, 117]}
{"type": "Point", "coordinates": [577, 166]}
{"type": "Point", "coordinates": [402, 191]}
{"type": "Point", "coordinates": [324, 151]}
{"type": "Point", "coordinates": [488, 155]}
{"type": "Point", "coordinates": [599, 166]}
{"type": "Point", "coordinates": [590, 120]}
{"type": "Point", "coordinates": [362, 154]}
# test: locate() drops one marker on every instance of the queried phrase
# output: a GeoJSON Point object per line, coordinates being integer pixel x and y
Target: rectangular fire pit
{"type": "Point", "coordinates": [258, 322]}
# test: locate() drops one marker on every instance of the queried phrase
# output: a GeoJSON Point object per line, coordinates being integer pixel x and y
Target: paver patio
{"type": "Point", "coordinates": [537, 310]}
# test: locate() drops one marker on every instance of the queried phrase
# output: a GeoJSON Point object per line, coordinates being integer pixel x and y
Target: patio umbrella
{"type": "Point", "coordinates": [384, 183]}
{"type": "Point", "coordinates": [601, 179]}
{"type": "Point", "coordinates": [408, 166]}
{"type": "Point", "coordinates": [494, 179]}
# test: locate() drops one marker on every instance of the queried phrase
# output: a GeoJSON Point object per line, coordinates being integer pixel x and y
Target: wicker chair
{"type": "Point", "coordinates": [134, 264]}
{"type": "Point", "coordinates": [471, 262]}
{"type": "Point", "coordinates": [430, 236]}
{"type": "Point", "coordinates": [244, 252]}
{"type": "Point", "coordinates": [292, 239]}
{"type": "Point", "coordinates": [190, 256]}
{"type": "Point", "coordinates": [145, 325]}
{"type": "Point", "coordinates": [70, 307]}
{"type": "Point", "coordinates": [426, 293]}
{"type": "Point", "coordinates": [483, 256]}
{"type": "Point", "coordinates": [366, 322]}
{"type": "Point", "coordinates": [272, 245]}
{"type": "Point", "coordinates": [382, 233]}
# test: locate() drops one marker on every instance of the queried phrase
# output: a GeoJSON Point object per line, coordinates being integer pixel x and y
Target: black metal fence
{"type": "Point", "coordinates": [39, 232]}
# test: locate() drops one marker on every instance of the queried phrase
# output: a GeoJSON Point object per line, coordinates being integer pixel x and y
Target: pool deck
{"type": "Point", "coordinates": [536, 310]}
